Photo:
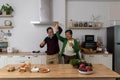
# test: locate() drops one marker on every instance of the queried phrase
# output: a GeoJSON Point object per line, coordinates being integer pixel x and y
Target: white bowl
{"type": "Point", "coordinates": [35, 70]}
{"type": "Point", "coordinates": [86, 73]}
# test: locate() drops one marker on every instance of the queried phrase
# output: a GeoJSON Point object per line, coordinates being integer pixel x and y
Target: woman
{"type": "Point", "coordinates": [70, 49]}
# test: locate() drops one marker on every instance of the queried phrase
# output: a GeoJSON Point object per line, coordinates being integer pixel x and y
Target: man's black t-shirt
{"type": "Point", "coordinates": [52, 44]}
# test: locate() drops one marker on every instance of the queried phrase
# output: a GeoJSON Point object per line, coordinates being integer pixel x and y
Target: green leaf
{"type": "Point", "coordinates": [74, 61]}
{"type": "Point", "coordinates": [7, 8]}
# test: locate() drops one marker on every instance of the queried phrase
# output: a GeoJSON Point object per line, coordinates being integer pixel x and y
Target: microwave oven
{"type": "Point", "coordinates": [89, 38]}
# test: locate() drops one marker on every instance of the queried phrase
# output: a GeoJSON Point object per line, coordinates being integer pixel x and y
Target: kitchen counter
{"type": "Point", "coordinates": [96, 53]}
{"type": "Point", "coordinates": [21, 54]}
{"type": "Point", "coordinates": [30, 53]}
{"type": "Point", "coordinates": [61, 71]}
{"type": "Point", "coordinates": [19, 58]}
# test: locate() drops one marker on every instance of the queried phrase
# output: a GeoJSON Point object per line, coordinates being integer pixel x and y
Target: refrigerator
{"type": "Point", "coordinates": [113, 46]}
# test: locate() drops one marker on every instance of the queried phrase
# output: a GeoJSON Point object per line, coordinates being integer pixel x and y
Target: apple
{"type": "Point", "coordinates": [82, 69]}
{"type": "Point", "coordinates": [88, 68]}
{"type": "Point", "coordinates": [82, 66]}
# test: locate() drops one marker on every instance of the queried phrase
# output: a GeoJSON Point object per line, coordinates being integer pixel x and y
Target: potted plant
{"type": "Point", "coordinates": [75, 63]}
{"type": "Point", "coordinates": [7, 8]}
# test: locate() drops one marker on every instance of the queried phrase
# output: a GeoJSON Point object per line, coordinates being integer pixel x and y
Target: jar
{"type": "Point", "coordinates": [80, 24]}
{"type": "Point", "coordinates": [90, 24]}
{"type": "Point", "coordinates": [85, 24]}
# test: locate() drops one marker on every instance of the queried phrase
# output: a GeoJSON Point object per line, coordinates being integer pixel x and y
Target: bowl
{"type": "Point", "coordinates": [35, 70]}
{"type": "Point", "coordinates": [86, 73]}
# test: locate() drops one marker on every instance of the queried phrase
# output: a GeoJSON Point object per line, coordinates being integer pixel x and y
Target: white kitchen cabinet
{"type": "Point", "coordinates": [36, 59]}
{"type": "Point", "coordinates": [24, 59]}
{"type": "Point", "coordinates": [10, 59]}
{"type": "Point", "coordinates": [91, 58]}
{"type": "Point", "coordinates": [105, 59]}
{"type": "Point", "coordinates": [17, 59]}
{"type": "Point", "coordinates": [43, 59]}
{"type": "Point", "coordinates": [2, 61]}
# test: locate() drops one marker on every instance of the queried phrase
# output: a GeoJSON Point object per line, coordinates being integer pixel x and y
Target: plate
{"type": "Point", "coordinates": [44, 70]}
{"type": "Point", "coordinates": [86, 73]}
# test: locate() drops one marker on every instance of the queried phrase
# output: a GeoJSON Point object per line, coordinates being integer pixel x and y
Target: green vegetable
{"type": "Point", "coordinates": [74, 61]}
{"type": "Point", "coordinates": [89, 64]}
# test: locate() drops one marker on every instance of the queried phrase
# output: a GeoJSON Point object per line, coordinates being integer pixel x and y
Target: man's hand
{"type": "Point", "coordinates": [43, 43]}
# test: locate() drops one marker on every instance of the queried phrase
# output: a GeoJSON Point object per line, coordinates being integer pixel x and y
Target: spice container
{"type": "Point", "coordinates": [80, 24]}
{"type": "Point", "coordinates": [76, 24]}
{"type": "Point", "coordinates": [85, 24]}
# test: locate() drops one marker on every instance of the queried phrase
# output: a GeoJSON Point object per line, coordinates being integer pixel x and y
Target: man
{"type": "Point", "coordinates": [52, 45]}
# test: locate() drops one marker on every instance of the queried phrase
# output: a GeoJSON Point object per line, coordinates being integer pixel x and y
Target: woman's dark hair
{"type": "Point", "coordinates": [69, 31]}
{"type": "Point", "coordinates": [49, 28]}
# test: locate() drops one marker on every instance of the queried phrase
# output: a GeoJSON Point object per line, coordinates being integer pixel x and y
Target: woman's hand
{"type": "Point", "coordinates": [71, 44]}
{"type": "Point", "coordinates": [55, 24]}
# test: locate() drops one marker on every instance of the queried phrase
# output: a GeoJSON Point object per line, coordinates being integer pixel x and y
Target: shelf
{"type": "Point", "coordinates": [85, 27]}
{"type": "Point", "coordinates": [6, 27]}
{"type": "Point", "coordinates": [6, 15]}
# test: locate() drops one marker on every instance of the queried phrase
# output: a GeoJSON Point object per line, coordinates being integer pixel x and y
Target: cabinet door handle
{"type": "Point", "coordinates": [22, 62]}
{"type": "Point", "coordinates": [105, 55]}
{"type": "Point", "coordinates": [28, 57]}
{"type": "Point", "coordinates": [91, 55]}
{"type": "Point", "coordinates": [22, 56]}
{"type": "Point", "coordinates": [10, 56]}
{"type": "Point", "coordinates": [35, 56]}
{"type": "Point", "coordinates": [118, 43]}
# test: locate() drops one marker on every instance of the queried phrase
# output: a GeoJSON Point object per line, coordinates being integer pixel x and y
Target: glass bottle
{"type": "Point", "coordinates": [71, 23]}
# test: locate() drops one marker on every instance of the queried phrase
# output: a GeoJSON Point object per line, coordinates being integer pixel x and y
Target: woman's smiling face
{"type": "Point", "coordinates": [68, 35]}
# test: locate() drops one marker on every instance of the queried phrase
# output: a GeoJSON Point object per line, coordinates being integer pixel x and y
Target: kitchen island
{"type": "Point", "coordinates": [59, 72]}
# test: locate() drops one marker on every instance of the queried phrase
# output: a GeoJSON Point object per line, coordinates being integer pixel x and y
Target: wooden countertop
{"type": "Point", "coordinates": [22, 54]}
{"type": "Point", "coordinates": [35, 54]}
{"type": "Point", "coordinates": [61, 71]}
{"type": "Point", "coordinates": [97, 54]}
